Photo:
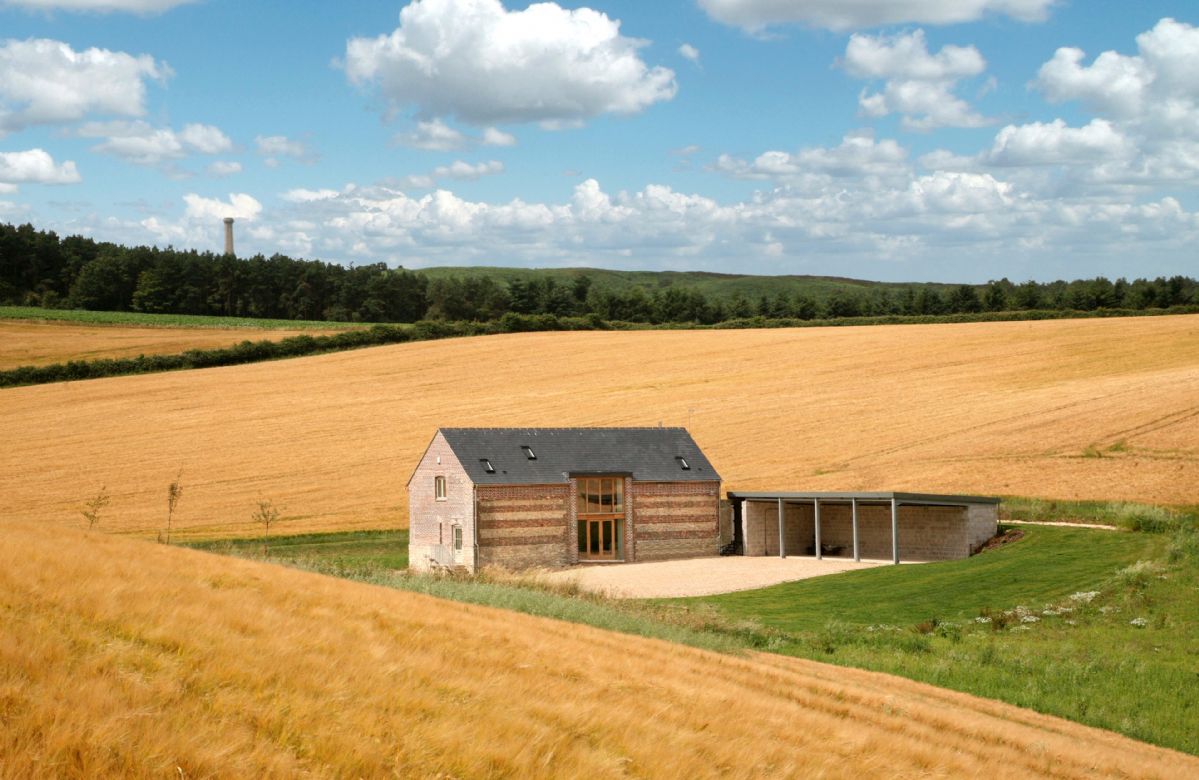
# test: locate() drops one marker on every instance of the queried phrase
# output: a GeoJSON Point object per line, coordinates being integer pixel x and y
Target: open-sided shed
{"type": "Point", "coordinates": [872, 525]}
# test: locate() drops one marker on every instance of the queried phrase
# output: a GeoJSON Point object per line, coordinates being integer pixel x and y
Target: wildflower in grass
{"type": "Point", "coordinates": [1139, 622]}
{"type": "Point", "coordinates": [1049, 612]}
{"type": "Point", "coordinates": [982, 619]}
{"type": "Point", "coordinates": [1072, 622]}
{"type": "Point", "coordinates": [1029, 619]}
{"type": "Point", "coordinates": [1084, 597]}
{"type": "Point", "coordinates": [1065, 610]}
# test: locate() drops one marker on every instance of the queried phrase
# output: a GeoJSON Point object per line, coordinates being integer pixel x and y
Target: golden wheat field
{"type": "Point", "coordinates": [1088, 409]}
{"type": "Point", "coordinates": [36, 343]}
{"type": "Point", "coordinates": [121, 657]}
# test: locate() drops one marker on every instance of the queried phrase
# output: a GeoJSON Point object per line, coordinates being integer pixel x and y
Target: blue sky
{"type": "Point", "coordinates": [949, 140]}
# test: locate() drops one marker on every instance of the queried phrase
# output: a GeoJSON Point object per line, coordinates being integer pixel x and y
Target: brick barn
{"type": "Point", "coordinates": [520, 497]}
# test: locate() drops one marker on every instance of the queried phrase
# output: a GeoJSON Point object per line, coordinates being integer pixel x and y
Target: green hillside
{"type": "Point", "coordinates": [714, 286]}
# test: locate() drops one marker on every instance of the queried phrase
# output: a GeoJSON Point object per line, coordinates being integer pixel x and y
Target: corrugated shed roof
{"type": "Point", "coordinates": [648, 454]}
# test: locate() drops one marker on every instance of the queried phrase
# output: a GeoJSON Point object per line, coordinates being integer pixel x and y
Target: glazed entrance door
{"type": "Point", "coordinates": [597, 539]}
{"type": "Point", "coordinates": [601, 518]}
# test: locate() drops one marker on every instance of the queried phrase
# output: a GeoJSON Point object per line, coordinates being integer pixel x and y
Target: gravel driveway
{"type": "Point", "coordinates": [700, 576]}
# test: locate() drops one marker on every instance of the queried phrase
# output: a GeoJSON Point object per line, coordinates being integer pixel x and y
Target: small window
{"type": "Point", "coordinates": [439, 488]}
{"type": "Point", "coordinates": [529, 452]}
{"type": "Point", "coordinates": [490, 469]}
{"type": "Point", "coordinates": [457, 537]}
{"type": "Point", "coordinates": [683, 464]}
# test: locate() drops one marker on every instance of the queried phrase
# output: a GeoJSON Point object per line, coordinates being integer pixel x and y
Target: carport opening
{"type": "Point", "coordinates": [870, 526]}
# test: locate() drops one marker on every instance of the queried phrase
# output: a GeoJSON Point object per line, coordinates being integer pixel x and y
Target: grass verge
{"type": "Point", "coordinates": [139, 319]}
{"type": "Point", "coordinates": [1101, 628]}
{"type": "Point", "coordinates": [1121, 514]}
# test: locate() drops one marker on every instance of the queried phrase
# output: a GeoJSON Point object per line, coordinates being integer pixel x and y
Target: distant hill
{"type": "Point", "coordinates": [714, 286]}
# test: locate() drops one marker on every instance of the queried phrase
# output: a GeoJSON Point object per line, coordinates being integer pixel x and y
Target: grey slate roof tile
{"type": "Point", "coordinates": [648, 454]}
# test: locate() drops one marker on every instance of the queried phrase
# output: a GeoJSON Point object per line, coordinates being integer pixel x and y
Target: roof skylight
{"type": "Point", "coordinates": [490, 469]}
{"type": "Point", "coordinates": [529, 452]}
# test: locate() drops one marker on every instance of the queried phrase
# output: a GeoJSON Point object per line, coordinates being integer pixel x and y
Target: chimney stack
{"type": "Point", "coordinates": [228, 235]}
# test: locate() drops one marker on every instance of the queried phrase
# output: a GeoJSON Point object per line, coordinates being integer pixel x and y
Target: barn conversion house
{"type": "Point", "coordinates": [519, 497]}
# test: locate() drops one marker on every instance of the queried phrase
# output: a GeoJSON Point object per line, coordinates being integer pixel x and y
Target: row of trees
{"type": "Point", "coordinates": [38, 268]}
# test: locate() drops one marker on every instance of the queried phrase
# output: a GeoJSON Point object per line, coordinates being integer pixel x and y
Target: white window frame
{"type": "Point", "coordinates": [457, 538]}
{"type": "Point", "coordinates": [439, 488]}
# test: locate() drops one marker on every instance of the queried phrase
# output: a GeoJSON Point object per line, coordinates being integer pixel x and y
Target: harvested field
{"type": "Point", "coordinates": [41, 342]}
{"type": "Point", "coordinates": [1096, 409]}
{"type": "Point", "coordinates": [125, 658]}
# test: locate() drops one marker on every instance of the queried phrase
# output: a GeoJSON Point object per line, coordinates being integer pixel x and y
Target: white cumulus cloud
{"type": "Point", "coordinates": [483, 64]}
{"type": "Point", "coordinates": [239, 206]}
{"type": "Point", "coordinates": [689, 52]}
{"type": "Point", "coordinates": [433, 135]}
{"type": "Point", "coordinates": [1055, 143]}
{"type": "Point", "coordinates": [34, 166]}
{"type": "Point", "coordinates": [754, 15]}
{"type": "Point", "coordinates": [918, 85]}
{"type": "Point", "coordinates": [140, 143]}
{"type": "Point", "coordinates": [493, 136]}
{"type": "Point", "coordinates": [858, 156]}
{"type": "Point", "coordinates": [1148, 106]}
{"type": "Point", "coordinates": [44, 81]}
{"type": "Point", "coordinates": [222, 168]}
{"type": "Point", "coordinates": [272, 147]}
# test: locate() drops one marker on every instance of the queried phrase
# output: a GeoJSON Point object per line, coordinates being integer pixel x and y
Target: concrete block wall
{"type": "Point", "coordinates": [982, 523]}
{"type": "Point", "coordinates": [521, 526]}
{"type": "Point", "coordinates": [431, 520]}
{"type": "Point", "coordinates": [673, 520]}
{"type": "Point", "coordinates": [926, 533]}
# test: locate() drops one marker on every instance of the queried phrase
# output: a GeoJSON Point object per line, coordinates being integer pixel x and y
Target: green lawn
{"type": "Point", "coordinates": [1047, 565]}
{"type": "Point", "coordinates": [1099, 627]}
{"type": "Point", "coordinates": [349, 551]}
{"type": "Point", "coordinates": [164, 320]}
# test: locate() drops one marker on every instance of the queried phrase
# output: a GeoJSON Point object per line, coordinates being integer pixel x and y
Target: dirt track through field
{"type": "Point", "coordinates": [123, 658]}
{"type": "Point", "coordinates": [38, 343]}
{"type": "Point", "coordinates": [1088, 409]}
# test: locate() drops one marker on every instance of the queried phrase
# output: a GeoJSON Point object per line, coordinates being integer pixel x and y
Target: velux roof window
{"type": "Point", "coordinates": [683, 464]}
{"type": "Point", "coordinates": [490, 469]}
{"type": "Point", "coordinates": [529, 452]}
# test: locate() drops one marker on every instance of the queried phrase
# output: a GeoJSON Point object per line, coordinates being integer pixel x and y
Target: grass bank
{"type": "Point", "coordinates": [139, 319]}
{"type": "Point", "coordinates": [381, 558]}
{"type": "Point", "coordinates": [1120, 514]}
{"type": "Point", "coordinates": [1098, 627]}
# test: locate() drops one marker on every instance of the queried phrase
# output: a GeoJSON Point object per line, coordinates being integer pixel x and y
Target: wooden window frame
{"type": "Point", "coordinates": [439, 488]}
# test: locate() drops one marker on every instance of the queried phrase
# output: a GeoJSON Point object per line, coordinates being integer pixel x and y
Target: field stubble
{"type": "Point", "coordinates": [1080, 409]}
{"type": "Point", "coordinates": [119, 657]}
{"type": "Point", "coordinates": [41, 343]}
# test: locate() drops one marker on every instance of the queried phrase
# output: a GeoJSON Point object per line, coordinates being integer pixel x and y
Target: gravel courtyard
{"type": "Point", "coordinates": [700, 576]}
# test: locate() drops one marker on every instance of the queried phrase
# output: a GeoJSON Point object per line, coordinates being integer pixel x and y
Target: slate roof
{"type": "Point", "coordinates": [648, 454]}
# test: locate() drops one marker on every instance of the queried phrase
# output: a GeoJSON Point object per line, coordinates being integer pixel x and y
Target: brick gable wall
{"type": "Point", "coordinates": [431, 521]}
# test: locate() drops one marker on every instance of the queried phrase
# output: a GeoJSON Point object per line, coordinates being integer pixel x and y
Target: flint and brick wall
{"type": "Point", "coordinates": [674, 520]}
{"type": "Point", "coordinates": [926, 533]}
{"type": "Point", "coordinates": [522, 526]}
{"type": "Point", "coordinates": [430, 521]}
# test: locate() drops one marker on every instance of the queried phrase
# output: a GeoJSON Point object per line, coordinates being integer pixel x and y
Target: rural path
{"type": "Point", "coordinates": [699, 576]}
{"type": "Point", "coordinates": [1098, 526]}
